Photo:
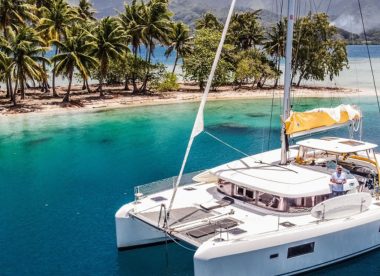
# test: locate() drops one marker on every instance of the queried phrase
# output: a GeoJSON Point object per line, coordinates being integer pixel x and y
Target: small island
{"type": "Point", "coordinates": [55, 56]}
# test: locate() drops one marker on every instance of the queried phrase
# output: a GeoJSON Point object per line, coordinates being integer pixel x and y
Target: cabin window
{"type": "Point", "coordinates": [240, 191]}
{"type": "Point", "coordinates": [249, 194]}
{"type": "Point", "coordinates": [300, 250]}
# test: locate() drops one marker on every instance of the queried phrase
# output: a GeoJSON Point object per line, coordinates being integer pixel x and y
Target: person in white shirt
{"type": "Point", "coordinates": [338, 178]}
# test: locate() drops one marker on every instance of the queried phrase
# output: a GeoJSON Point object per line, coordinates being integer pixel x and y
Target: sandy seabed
{"type": "Point", "coordinates": [116, 97]}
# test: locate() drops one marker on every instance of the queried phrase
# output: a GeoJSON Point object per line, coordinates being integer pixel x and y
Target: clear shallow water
{"type": "Point", "coordinates": [360, 51]}
{"type": "Point", "coordinates": [63, 177]}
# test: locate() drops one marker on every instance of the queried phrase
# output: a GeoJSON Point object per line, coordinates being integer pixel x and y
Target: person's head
{"type": "Point", "coordinates": [339, 168]}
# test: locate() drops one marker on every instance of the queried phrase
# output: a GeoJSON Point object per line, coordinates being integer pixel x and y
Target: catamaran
{"type": "Point", "coordinates": [271, 213]}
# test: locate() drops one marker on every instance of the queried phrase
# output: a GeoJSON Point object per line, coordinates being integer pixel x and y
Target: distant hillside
{"type": "Point", "coordinates": [373, 37]}
{"type": "Point", "coordinates": [343, 13]}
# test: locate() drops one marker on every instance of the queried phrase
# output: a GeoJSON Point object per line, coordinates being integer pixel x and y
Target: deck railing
{"type": "Point", "coordinates": [163, 185]}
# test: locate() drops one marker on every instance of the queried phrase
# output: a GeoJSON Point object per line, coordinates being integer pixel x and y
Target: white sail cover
{"type": "Point", "coordinates": [335, 113]}
{"type": "Point", "coordinates": [320, 118]}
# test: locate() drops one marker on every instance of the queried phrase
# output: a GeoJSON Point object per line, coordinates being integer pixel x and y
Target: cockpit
{"type": "Point", "coordinates": [358, 159]}
{"type": "Point", "coordinates": [278, 190]}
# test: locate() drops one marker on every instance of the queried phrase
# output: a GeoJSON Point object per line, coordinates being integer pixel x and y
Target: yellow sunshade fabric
{"type": "Point", "coordinates": [321, 117]}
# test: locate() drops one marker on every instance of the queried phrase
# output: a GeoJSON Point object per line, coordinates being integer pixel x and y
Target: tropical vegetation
{"type": "Point", "coordinates": [42, 40]}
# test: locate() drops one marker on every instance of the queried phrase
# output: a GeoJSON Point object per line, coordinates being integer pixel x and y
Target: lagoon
{"type": "Point", "coordinates": [62, 178]}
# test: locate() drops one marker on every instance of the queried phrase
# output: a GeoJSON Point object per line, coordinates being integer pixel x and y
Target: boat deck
{"type": "Point", "coordinates": [201, 213]}
{"type": "Point", "coordinates": [194, 224]}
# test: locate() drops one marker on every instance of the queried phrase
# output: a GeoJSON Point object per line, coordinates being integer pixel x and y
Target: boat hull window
{"type": "Point", "coordinates": [240, 191]}
{"type": "Point", "coordinates": [249, 194]}
{"type": "Point", "coordinates": [269, 201]}
{"type": "Point", "coordinates": [300, 250]}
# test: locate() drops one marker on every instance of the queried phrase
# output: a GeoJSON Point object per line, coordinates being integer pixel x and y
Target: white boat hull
{"type": "Point", "coordinates": [132, 232]}
{"type": "Point", "coordinates": [331, 245]}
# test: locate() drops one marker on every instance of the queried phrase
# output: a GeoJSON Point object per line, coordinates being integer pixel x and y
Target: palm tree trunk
{"type": "Point", "coordinates": [101, 94]}
{"type": "Point", "coordinates": [175, 62]}
{"type": "Point", "coordinates": [45, 85]}
{"type": "Point", "coordinates": [9, 90]}
{"type": "Point", "coordinates": [66, 99]}
{"type": "Point", "coordinates": [126, 87]}
{"type": "Point", "coordinates": [87, 86]}
{"type": "Point", "coordinates": [15, 93]}
{"type": "Point", "coordinates": [135, 89]}
{"type": "Point", "coordinates": [278, 70]}
{"type": "Point", "coordinates": [300, 79]}
{"type": "Point", "coordinates": [12, 95]}
{"type": "Point", "coordinates": [22, 84]}
{"type": "Point", "coordinates": [84, 86]}
{"type": "Point", "coordinates": [55, 94]}
{"type": "Point", "coordinates": [145, 82]}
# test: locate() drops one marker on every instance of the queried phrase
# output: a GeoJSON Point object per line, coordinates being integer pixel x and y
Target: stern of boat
{"type": "Point", "coordinates": [132, 232]}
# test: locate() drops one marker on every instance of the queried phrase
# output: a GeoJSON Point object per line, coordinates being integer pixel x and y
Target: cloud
{"type": "Point", "coordinates": [349, 23]}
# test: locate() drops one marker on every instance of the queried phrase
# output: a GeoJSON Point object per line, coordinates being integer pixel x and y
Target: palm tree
{"type": "Point", "coordinates": [275, 45]}
{"type": "Point", "coordinates": [245, 30]}
{"type": "Point", "coordinates": [110, 45]}
{"type": "Point", "coordinates": [86, 10]}
{"type": "Point", "coordinates": [24, 47]}
{"type": "Point", "coordinates": [74, 55]}
{"type": "Point", "coordinates": [43, 3]}
{"type": "Point", "coordinates": [180, 41]}
{"type": "Point", "coordinates": [12, 14]}
{"type": "Point", "coordinates": [5, 71]}
{"type": "Point", "coordinates": [54, 21]}
{"type": "Point", "coordinates": [155, 25]}
{"type": "Point", "coordinates": [130, 21]}
{"type": "Point", "coordinates": [208, 21]}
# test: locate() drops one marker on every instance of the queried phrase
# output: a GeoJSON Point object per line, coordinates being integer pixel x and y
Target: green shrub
{"type": "Point", "coordinates": [168, 83]}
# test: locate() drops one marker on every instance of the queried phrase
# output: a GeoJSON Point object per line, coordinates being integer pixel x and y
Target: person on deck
{"type": "Point", "coordinates": [338, 178]}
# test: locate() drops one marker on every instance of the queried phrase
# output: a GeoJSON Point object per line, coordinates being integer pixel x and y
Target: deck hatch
{"type": "Point", "coordinates": [352, 143]}
{"type": "Point", "coordinates": [158, 198]}
{"type": "Point", "coordinates": [287, 224]}
{"type": "Point", "coordinates": [236, 231]}
{"type": "Point", "coordinates": [212, 228]}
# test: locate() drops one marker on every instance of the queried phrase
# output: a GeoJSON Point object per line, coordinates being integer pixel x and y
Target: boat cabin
{"type": "Point", "coordinates": [305, 181]}
{"type": "Point", "coordinates": [358, 158]}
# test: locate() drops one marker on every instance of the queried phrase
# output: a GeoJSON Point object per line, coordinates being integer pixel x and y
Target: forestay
{"type": "Point", "coordinates": [199, 122]}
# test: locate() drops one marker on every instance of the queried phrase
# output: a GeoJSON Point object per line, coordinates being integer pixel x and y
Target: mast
{"type": "Point", "coordinates": [288, 79]}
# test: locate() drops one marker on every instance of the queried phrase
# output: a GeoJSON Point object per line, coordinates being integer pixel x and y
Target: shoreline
{"type": "Point", "coordinates": [116, 98]}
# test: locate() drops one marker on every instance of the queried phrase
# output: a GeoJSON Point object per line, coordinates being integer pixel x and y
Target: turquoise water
{"type": "Point", "coordinates": [63, 177]}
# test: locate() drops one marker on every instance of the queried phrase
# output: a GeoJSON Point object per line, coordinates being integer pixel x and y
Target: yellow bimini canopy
{"type": "Point", "coordinates": [321, 118]}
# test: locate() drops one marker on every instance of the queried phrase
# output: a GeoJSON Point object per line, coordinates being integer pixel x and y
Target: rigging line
{"type": "Point", "coordinates": [328, 7]}
{"type": "Point", "coordinates": [181, 245]}
{"type": "Point", "coordinates": [277, 13]}
{"type": "Point", "coordinates": [263, 140]}
{"type": "Point", "coordinates": [270, 122]}
{"type": "Point", "coordinates": [315, 7]}
{"type": "Point", "coordinates": [226, 144]}
{"type": "Point", "coordinates": [369, 55]}
{"type": "Point", "coordinates": [246, 155]}
{"type": "Point", "coordinates": [318, 7]}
